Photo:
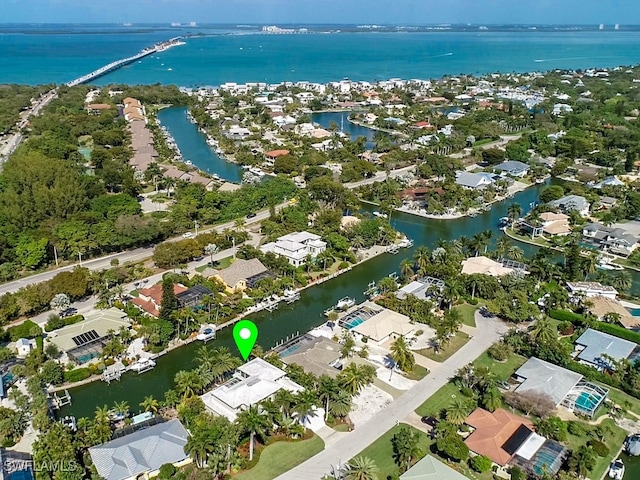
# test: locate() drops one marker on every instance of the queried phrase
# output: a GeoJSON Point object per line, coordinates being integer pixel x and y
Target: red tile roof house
{"type": "Point", "coordinates": [149, 299]}
{"type": "Point", "coordinates": [270, 157]}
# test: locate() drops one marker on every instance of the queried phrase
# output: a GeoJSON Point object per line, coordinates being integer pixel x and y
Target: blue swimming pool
{"type": "Point", "coordinates": [21, 475]}
{"type": "Point", "coordinates": [588, 401]}
{"type": "Point", "coordinates": [354, 322]}
{"type": "Point", "coordinates": [634, 311]}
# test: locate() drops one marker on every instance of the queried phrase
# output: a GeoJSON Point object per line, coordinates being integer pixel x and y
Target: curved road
{"type": "Point", "coordinates": [488, 331]}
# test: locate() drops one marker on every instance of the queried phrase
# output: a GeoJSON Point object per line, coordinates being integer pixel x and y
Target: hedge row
{"type": "Point", "coordinates": [77, 375]}
{"type": "Point", "coordinates": [58, 322]}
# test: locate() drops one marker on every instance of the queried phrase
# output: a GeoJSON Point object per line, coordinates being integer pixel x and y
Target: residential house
{"type": "Point", "coordinates": [133, 110]}
{"type": "Point", "coordinates": [508, 439]}
{"type": "Point", "coordinates": [601, 307]}
{"type": "Point", "coordinates": [607, 203]}
{"type": "Point", "coordinates": [474, 181]}
{"type": "Point", "coordinates": [430, 468]}
{"type": "Point", "coordinates": [242, 274]}
{"type": "Point", "coordinates": [84, 341]}
{"type": "Point", "coordinates": [96, 108]}
{"type": "Point", "coordinates": [592, 289]}
{"type": "Point", "coordinates": [296, 247]}
{"type": "Point", "coordinates": [149, 300]}
{"type": "Point", "coordinates": [375, 323]}
{"type": "Point", "coordinates": [317, 355]}
{"type": "Point", "coordinates": [572, 202]}
{"type": "Point", "coordinates": [560, 108]}
{"type": "Point", "coordinates": [612, 181]}
{"type": "Point", "coordinates": [601, 350]}
{"type": "Point", "coordinates": [486, 266]}
{"type": "Point", "coordinates": [141, 454]}
{"type": "Point", "coordinates": [252, 383]}
{"type": "Point", "coordinates": [555, 224]}
{"type": "Point", "coordinates": [423, 288]}
{"type": "Point", "coordinates": [609, 239]}
{"type": "Point", "coordinates": [270, 157]}
{"type": "Point", "coordinates": [563, 386]}
{"type": "Point", "coordinates": [144, 152]}
{"type": "Point", "coordinates": [513, 168]}
{"type": "Point", "coordinates": [25, 346]}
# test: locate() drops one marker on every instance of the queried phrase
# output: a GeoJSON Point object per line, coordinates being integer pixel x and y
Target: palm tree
{"type": "Point", "coordinates": [284, 400]}
{"type": "Point", "coordinates": [422, 257]}
{"type": "Point", "coordinates": [503, 245]}
{"type": "Point", "coordinates": [401, 355]}
{"type": "Point", "coordinates": [199, 446]}
{"type": "Point", "coordinates": [406, 447]}
{"type": "Point", "coordinates": [341, 405]}
{"type": "Point", "coordinates": [211, 249]}
{"type": "Point", "coordinates": [457, 412]}
{"type": "Point", "coordinates": [515, 253]}
{"type": "Point", "coordinates": [582, 460]}
{"type": "Point", "coordinates": [621, 280]}
{"type": "Point", "coordinates": [121, 408]}
{"type": "Point", "coordinates": [406, 268]}
{"type": "Point", "coordinates": [187, 382]}
{"type": "Point", "coordinates": [452, 292]}
{"type": "Point", "coordinates": [253, 422]}
{"type": "Point", "coordinates": [305, 403]}
{"type": "Point", "coordinates": [452, 321]}
{"type": "Point", "coordinates": [492, 399]}
{"type": "Point", "coordinates": [102, 415]}
{"type": "Point", "coordinates": [327, 391]}
{"type": "Point", "coordinates": [513, 212]}
{"type": "Point", "coordinates": [543, 332]}
{"type": "Point", "coordinates": [150, 404]}
{"type": "Point", "coordinates": [589, 264]}
{"type": "Point", "coordinates": [351, 379]}
{"type": "Point", "coordinates": [361, 468]}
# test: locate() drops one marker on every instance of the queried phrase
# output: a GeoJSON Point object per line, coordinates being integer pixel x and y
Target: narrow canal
{"type": "Point", "coordinates": [341, 119]}
{"type": "Point", "coordinates": [193, 145]}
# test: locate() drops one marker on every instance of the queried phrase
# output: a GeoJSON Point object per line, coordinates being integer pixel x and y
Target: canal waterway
{"type": "Point", "coordinates": [193, 145]}
{"type": "Point", "coordinates": [341, 119]}
{"type": "Point", "coordinates": [300, 316]}
{"type": "Point", "coordinates": [631, 467]}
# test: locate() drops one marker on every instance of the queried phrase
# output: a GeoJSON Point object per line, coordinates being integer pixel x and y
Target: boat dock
{"type": "Point", "coordinates": [113, 372]}
{"type": "Point", "coordinates": [159, 47]}
{"type": "Point", "coordinates": [59, 401]}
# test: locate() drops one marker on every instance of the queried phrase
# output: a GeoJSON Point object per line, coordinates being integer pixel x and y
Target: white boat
{"type": "Point", "coordinates": [632, 444]}
{"type": "Point", "coordinates": [616, 470]}
{"type": "Point", "coordinates": [345, 303]}
{"type": "Point", "coordinates": [380, 215]}
{"type": "Point", "coordinates": [290, 296]}
{"type": "Point", "coordinates": [142, 365]}
{"type": "Point", "coordinates": [71, 423]}
{"type": "Point", "coordinates": [188, 162]}
{"type": "Point", "coordinates": [206, 334]}
{"type": "Point", "coordinates": [504, 221]}
{"type": "Point", "coordinates": [609, 266]}
{"type": "Point", "coordinates": [405, 243]}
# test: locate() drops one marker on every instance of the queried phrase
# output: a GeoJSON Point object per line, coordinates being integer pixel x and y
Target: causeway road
{"type": "Point", "coordinates": [488, 331]}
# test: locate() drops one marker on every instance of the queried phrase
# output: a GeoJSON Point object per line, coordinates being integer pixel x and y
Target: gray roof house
{"type": "Point", "coordinates": [612, 181]}
{"type": "Point", "coordinates": [592, 346]}
{"type": "Point", "coordinates": [430, 468]}
{"type": "Point", "coordinates": [474, 181]}
{"type": "Point", "coordinates": [572, 202]}
{"type": "Point", "coordinates": [143, 451]}
{"type": "Point", "coordinates": [614, 240]}
{"type": "Point", "coordinates": [563, 386]}
{"type": "Point", "coordinates": [513, 168]}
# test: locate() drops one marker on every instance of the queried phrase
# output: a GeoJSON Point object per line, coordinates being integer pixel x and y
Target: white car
{"type": "Point", "coordinates": [187, 235]}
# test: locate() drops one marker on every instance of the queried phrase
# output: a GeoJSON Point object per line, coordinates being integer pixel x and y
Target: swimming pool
{"type": "Point", "coordinates": [289, 350]}
{"type": "Point", "coordinates": [634, 311]}
{"type": "Point", "coordinates": [588, 401]}
{"type": "Point", "coordinates": [25, 474]}
{"type": "Point", "coordinates": [354, 322]}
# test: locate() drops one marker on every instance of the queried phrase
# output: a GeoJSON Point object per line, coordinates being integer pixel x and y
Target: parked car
{"type": "Point", "coordinates": [504, 385]}
{"type": "Point", "coordinates": [187, 235]}
{"type": "Point", "coordinates": [251, 215]}
{"type": "Point", "coordinates": [431, 421]}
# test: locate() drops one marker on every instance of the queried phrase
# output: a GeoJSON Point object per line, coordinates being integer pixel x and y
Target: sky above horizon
{"type": "Point", "coordinates": [624, 12]}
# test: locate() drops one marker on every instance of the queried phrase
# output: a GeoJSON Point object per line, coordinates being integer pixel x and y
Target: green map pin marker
{"type": "Point", "coordinates": [245, 333]}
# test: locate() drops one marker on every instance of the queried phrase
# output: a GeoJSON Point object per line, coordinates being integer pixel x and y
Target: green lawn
{"type": "Point", "coordinates": [502, 370]}
{"type": "Point", "coordinates": [613, 441]}
{"type": "Point", "coordinates": [281, 457]}
{"type": "Point", "coordinates": [452, 347]}
{"type": "Point", "coordinates": [418, 373]}
{"type": "Point", "coordinates": [468, 313]}
{"type": "Point", "coordinates": [224, 263]}
{"type": "Point", "coordinates": [381, 452]}
{"type": "Point", "coordinates": [626, 401]}
{"type": "Point", "coordinates": [449, 392]}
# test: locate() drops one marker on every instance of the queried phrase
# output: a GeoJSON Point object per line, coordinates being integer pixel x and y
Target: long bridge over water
{"type": "Point", "coordinates": [159, 47]}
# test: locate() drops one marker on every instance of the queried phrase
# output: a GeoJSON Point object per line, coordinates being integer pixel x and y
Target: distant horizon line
{"type": "Point", "coordinates": [369, 24]}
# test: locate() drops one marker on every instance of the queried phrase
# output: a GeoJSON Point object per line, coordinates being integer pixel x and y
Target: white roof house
{"type": "Point", "coordinates": [141, 452]}
{"type": "Point", "coordinates": [24, 346]}
{"type": "Point", "coordinates": [296, 247]}
{"type": "Point", "coordinates": [572, 202]}
{"type": "Point", "coordinates": [592, 289]}
{"type": "Point", "coordinates": [252, 383]}
{"type": "Point", "coordinates": [474, 181]}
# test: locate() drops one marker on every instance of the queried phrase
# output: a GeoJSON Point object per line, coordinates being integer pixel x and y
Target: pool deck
{"type": "Point", "coordinates": [627, 304]}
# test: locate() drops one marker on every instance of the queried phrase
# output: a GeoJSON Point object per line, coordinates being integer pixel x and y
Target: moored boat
{"type": "Point", "coordinates": [142, 365]}
{"type": "Point", "coordinates": [616, 470]}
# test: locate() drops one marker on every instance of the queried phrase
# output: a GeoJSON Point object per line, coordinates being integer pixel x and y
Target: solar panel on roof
{"type": "Point", "coordinates": [85, 338]}
{"type": "Point", "coordinates": [516, 440]}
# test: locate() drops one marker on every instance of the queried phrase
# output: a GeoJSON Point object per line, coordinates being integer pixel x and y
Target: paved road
{"type": "Point", "coordinates": [381, 177]}
{"type": "Point", "coordinates": [488, 332]}
{"type": "Point", "coordinates": [136, 255]}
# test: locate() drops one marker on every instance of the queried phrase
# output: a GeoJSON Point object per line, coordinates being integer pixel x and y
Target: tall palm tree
{"type": "Point", "coordinates": [150, 404]}
{"type": "Point", "coordinates": [452, 292]}
{"type": "Point", "coordinates": [254, 422]}
{"type": "Point", "coordinates": [327, 391]}
{"type": "Point", "coordinates": [305, 403]}
{"type": "Point", "coordinates": [406, 447]}
{"type": "Point", "coordinates": [543, 332]}
{"type": "Point", "coordinates": [492, 399]}
{"type": "Point", "coordinates": [188, 382]}
{"type": "Point", "coordinates": [406, 268]}
{"type": "Point", "coordinates": [102, 414]}
{"type": "Point", "coordinates": [589, 264]}
{"type": "Point", "coordinates": [361, 468]}
{"type": "Point", "coordinates": [515, 253]}
{"type": "Point", "coordinates": [582, 460]}
{"type": "Point", "coordinates": [401, 355]}
{"type": "Point", "coordinates": [284, 399]}
{"type": "Point", "coordinates": [341, 404]}
{"type": "Point", "coordinates": [502, 246]}
{"type": "Point", "coordinates": [121, 408]}
{"type": "Point", "coordinates": [621, 280]}
{"type": "Point", "coordinates": [199, 446]}
{"type": "Point", "coordinates": [513, 212]}
{"type": "Point", "coordinates": [422, 257]}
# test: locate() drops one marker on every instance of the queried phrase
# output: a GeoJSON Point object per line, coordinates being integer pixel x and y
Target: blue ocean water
{"type": "Point", "coordinates": [34, 57]}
